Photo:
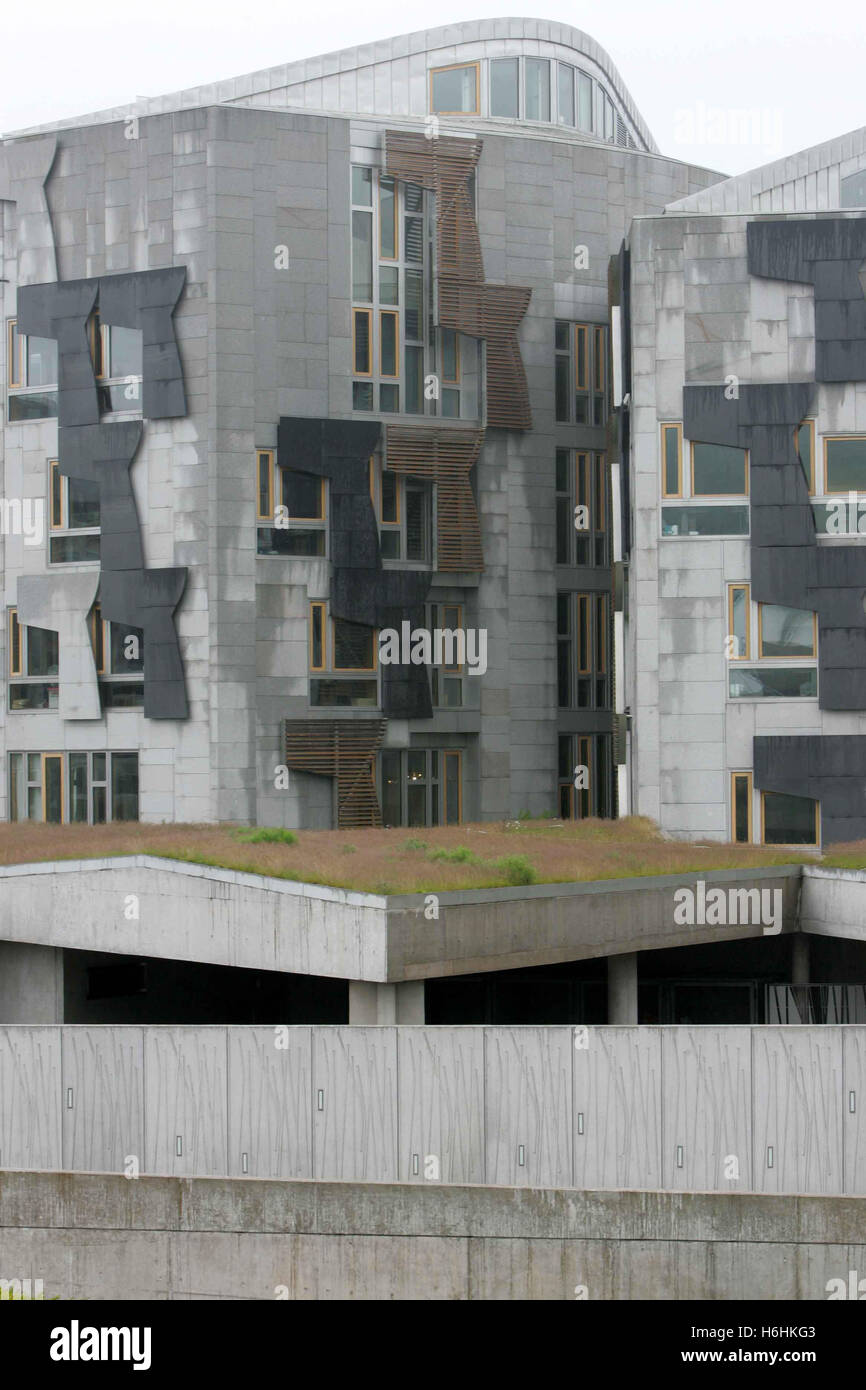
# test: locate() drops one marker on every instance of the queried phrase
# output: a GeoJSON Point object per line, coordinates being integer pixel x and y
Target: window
{"type": "Point", "coordinates": [719, 470]}
{"type": "Point", "coordinates": [421, 786]}
{"type": "Point", "coordinates": [504, 87]}
{"type": "Point", "coordinates": [845, 464]}
{"type": "Point", "coordinates": [583, 644]}
{"type": "Point", "coordinates": [537, 81]}
{"type": "Point", "coordinates": [852, 190]}
{"type": "Point", "coordinates": [582, 503]}
{"type": "Point", "coordinates": [705, 521]}
{"type": "Point", "coordinates": [74, 526]}
{"type": "Point", "coordinates": [341, 651]}
{"type": "Point", "coordinates": [778, 635]}
{"type": "Point", "coordinates": [672, 460]}
{"type": "Point", "coordinates": [585, 776]}
{"type": "Point", "coordinates": [34, 657]}
{"type": "Point", "coordinates": [118, 651]}
{"type": "Point", "coordinates": [403, 507]}
{"type": "Point", "coordinates": [741, 807]}
{"type": "Point", "coordinates": [584, 101]}
{"type": "Point", "coordinates": [31, 373]}
{"type": "Point", "coordinates": [805, 443]}
{"type": "Point", "coordinates": [565, 94]}
{"type": "Point", "coordinates": [84, 788]}
{"type": "Point", "coordinates": [446, 681]}
{"type": "Point", "coordinates": [391, 337]}
{"type": "Point", "coordinates": [789, 820]}
{"type": "Point", "coordinates": [581, 373]}
{"type": "Point", "coordinates": [117, 363]}
{"type": "Point", "coordinates": [293, 505]}
{"type": "Point", "coordinates": [454, 89]}
{"type": "Point", "coordinates": [739, 622]}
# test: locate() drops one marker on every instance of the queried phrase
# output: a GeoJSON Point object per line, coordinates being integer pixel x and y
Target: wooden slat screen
{"type": "Point", "coordinates": [466, 303]}
{"type": "Point", "coordinates": [443, 456]}
{"type": "Point", "coordinates": [345, 749]}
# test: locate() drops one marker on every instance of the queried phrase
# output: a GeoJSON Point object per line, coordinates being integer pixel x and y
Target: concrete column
{"type": "Point", "coordinates": [373, 1003]}
{"type": "Point", "coordinates": [622, 988]}
{"type": "Point", "coordinates": [31, 983]}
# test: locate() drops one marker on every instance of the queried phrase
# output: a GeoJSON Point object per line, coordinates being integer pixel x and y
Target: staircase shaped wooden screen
{"type": "Point", "coordinates": [444, 457]}
{"type": "Point", "coordinates": [466, 302]}
{"type": "Point", "coordinates": [345, 749]}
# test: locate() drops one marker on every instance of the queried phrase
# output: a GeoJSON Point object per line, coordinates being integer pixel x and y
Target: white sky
{"type": "Point", "coordinates": [799, 66]}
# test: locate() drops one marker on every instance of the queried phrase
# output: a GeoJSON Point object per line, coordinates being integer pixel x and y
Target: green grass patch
{"type": "Point", "coordinates": [461, 855]}
{"type": "Point", "coordinates": [267, 835]}
{"type": "Point", "coordinates": [517, 869]}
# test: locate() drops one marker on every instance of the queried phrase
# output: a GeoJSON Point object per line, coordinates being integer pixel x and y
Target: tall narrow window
{"type": "Point", "coordinates": [317, 637]}
{"type": "Point", "coordinates": [739, 643]}
{"type": "Point", "coordinates": [565, 94]}
{"type": "Point", "coordinates": [387, 218]}
{"type": "Point", "coordinates": [453, 798]}
{"type": "Point", "coordinates": [362, 256]}
{"type": "Point", "coordinates": [15, 664]}
{"type": "Point", "coordinates": [537, 89]}
{"type": "Point", "coordinates": [584, 766]}
{"type": "Point", "coordinates": [361, 329]}
{"type": "Point", "coordinates": [265, 463]}
{"type": "Point", "coordinates": [584, 101]}
{"type": "Point", "coordinates": [672, 460]}
{"type": "Point", "coordinates": [388, 340]}
{"type": "Point", "coordinates": [741, 807]}
{"type": "Point", "coordinates": [503, 87]}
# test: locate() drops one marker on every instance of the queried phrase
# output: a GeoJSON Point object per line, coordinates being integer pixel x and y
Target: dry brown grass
{"type": "Point", "coordinates": [383, 861]}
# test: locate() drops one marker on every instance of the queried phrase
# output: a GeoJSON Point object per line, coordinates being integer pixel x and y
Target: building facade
{"type": "Point", "coordinates": [296, 361]}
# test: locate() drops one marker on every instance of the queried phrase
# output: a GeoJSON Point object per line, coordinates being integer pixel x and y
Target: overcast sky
{"type": "Point", "coordinates": [798, 67]}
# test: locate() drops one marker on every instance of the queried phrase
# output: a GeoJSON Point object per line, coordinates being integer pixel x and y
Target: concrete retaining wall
{"type": "Point", "coordinates": [99, 1236]}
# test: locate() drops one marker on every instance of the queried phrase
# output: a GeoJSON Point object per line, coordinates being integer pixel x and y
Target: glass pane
{"type": "Point", "coordinates": [718, 469]}
{"type": "Point", "coordinates": [416, 765]}
{"type": "Point", "coordinates": [67, 550]}
{"type": "Point", "coordinates": [417, 805]}
{"type": "Point", "coordinates": [264, 484]}
{"type": "Point", "coordinates": [739, 616]}
{"type": "Point", "coordinates": [503, 87]}
{"type": "Point", "coordinates": [124, 786]}
{"type": "Point", "coordinates": [741, 810]}
{"type": "Point", "coordinates": [389, 284]}
{"type": "Point", "coordinates": [362, 395]}
{"type": "Point", "coordinates": [416, 524]}
{"type": "Point", "coordinates": [317, 652]}
{"type": "Point", "coordinates": [388, 345]}
{"type": "Point", "coordinates": [414, 381]}
{"type": "Point", "coordinates": [125, 351]}
{"type": "Point", "coordinates": [294, 542]}
{"type": "Point", "coordinates": [562, 471]}
{"type": "Point", "coordinates": [537, 89]}
{"type": "Point", "coordinates": [98, 767]}
{"type": "Point", "coordinates": [302, 494]}
{"type": "Point", "coordinates": [413, 197]}
{"type": "Point", "coordinates": [583, 622]}
{"type": "Point", "coordinates": [414, 305]}
{"type": "Point", "coordinates": [121, 694]}
{"type": "Point", "coordinates": [353, 646]}
{"type": "Point", "coordinates": [362, 257]}
{"type": "Point", "coordinates": [414, 247]}
{"type": "Point", "coordinates": [36, 695]}
{"type": "Point", "coordinates": [390, 545]}
{"type": "Point", "coordinates": [788, 820]}
{"type": "Point", "coordinates": [99, 805]}
{"type": "Point", "coordinates": [854, 190]}
{"type": "Point", "coordinates": [54, 790]}
{"type": "Point", "coordinates": [42, 405]}
{"type": "Point", "coordinates": [562, 387]}
{"type": "Point", "coordinates": [389, 399]}
{"type": "Point", "coordinates": [584, 101]}
{"type": "Point", "coordinates": [562, 335]}
{"type": "Point", "coordinates": [362, 186]}
{"type": "Point", "coordinates": [564, 756]}
{"type": "Point", "coordinates": [563, 658]}
{"type": "Point", "coordinates": [127, 649]}
{"type": "Point", "coordinates": [563, 614]}
{"type": "Point", "coordinates": [16, 786]}
{"type": "Point", "coordinates": [455, 89]}
{"type": "Point", "coordinates": [786, 631]}
{"type": "Point", "coordinates": [34, 803]}
{"type": "Point", "coordinates": [449, 354]}
{"type": "Point", "coordinates": [362, 342]}
{"type": "Point", "coordinates": [564, 528]}
{"type": "Point", "coordinates": [705, 521]}
{"type": "Point", "coordinates": [41, 362]}
{"type": "Point", "coordinates": [78, 787]}
{"type": "Point", "coordinates": [387, 217]}
{"type": "Point", "coordinates": [452, 789]}
{"type": "Point", "coordinates": [389, 495]}
{"type": "Point", "coordinates": [672, 462]}
{"type": "Point", "coordinates": [34, 768]}
{"type": "Point", "coordinates": [565, 111]}
{"type": "Point", "coordinates": [391, 813]}
{"type": "Point", "coordinates": [83, 503]}
{"type": "Point", "coordinates": [450, 403]}
{"type": "Point", "coordinates": [846, 465]}
{"type": "Point", "coordinates": [43, 652]}
{"type": "Point", "coordinates": [766, 682]}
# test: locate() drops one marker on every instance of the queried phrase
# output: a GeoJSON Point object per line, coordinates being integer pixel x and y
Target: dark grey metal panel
{"type": "Point", "coordinates": [829, 768]}
{"type": "Point", "coordinates": [362, 591]}
{"type": "Point", "coordinates": [146, 300]}
{"type": "Point", "coordinates": [61, 311]}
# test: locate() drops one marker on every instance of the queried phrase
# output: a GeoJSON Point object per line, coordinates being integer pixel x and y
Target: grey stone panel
{"type": "Point", "coordinates": [829, 768]}
{"type": "Point", "coordinates": [61, 312]}
{"type": "Point", "coordinates": [827, 254]}
{"type": "Point", "coordinates": [24, 169]}
{"type": "Point", "coordinates": [362, 591]}
{"type": "Point", "coordinates": [787, 565]}
{"type": "Point", "coordinates": [146, 300]}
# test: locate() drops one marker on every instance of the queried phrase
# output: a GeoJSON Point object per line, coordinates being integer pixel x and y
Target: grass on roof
{"type": "Point", "coordinates": [493, 854]}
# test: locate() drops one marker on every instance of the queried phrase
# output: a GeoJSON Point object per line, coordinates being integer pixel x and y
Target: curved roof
{"type": "Point", "coordinates": [539, 35]}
